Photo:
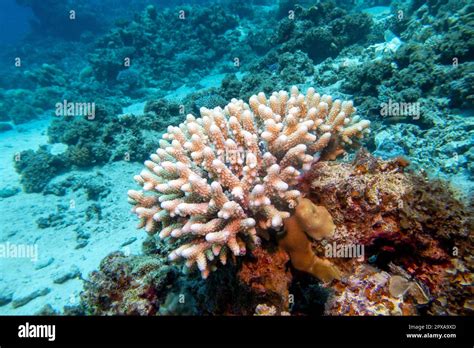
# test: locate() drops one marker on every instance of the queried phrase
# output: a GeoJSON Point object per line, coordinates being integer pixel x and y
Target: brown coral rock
{"type": "Point", "coordinates": [123, 285]}
{"type": "Point", "coordinates": [402, 219]}
{"type": "Point", "coordinates": [267, 276]}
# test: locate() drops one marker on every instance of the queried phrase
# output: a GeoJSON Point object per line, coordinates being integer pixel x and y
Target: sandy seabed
{"type": "Point", "coordinates": [55, 277]}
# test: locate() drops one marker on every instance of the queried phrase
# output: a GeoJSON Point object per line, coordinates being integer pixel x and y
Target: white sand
{"type": "Point", "coordinates": [18, 220]}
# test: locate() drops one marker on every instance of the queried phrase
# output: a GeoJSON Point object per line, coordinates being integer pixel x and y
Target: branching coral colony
{"type": "Point", "coordinates": [219, 182]}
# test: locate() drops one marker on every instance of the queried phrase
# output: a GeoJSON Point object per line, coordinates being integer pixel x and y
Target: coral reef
{"type": "Point", "coordinates": [424, 58]}
{"type": "Point", "coordinates": [149, 284]}
{"type": "Point", "coordinates": [110, 138]}
{"type": "Point", "coordinates": [248, 191]}
{"type": "Point", "coordinates": [124, 287]}
{"type": "Point", "coordinates": [153, 40]}
{"type": "Point", "coordinates": [409, 226]}
{"type": "Point", "coordinates": [374, 203]}
{"type": "Point", "coordinates": [215, 180]}
{"type": "Point", "coordinates": [364, 57]}
{"type": "Point", "coordinates": [38, 168]}
{"type": "Point", "coordinates": [100, 140]}
{"type": "Point", "coordinates": [322, 30]}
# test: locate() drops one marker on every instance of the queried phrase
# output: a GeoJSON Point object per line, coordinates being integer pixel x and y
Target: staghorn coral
{"type": "Point", "coordinates": [218, 180]}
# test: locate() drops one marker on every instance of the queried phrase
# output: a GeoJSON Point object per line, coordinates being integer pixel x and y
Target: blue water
{"type": "Point", "coordinates": [14, 21]}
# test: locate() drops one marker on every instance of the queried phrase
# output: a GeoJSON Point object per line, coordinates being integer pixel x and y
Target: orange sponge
{"type": "Point", "coordinates": [316, 222]}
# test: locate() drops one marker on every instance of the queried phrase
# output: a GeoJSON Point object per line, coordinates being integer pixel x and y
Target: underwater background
{"type": "Point", "coordinates": [69, 243]}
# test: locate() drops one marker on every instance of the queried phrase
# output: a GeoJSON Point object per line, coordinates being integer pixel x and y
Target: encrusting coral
{"type": "Point", "coordinates": [218, 181]}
